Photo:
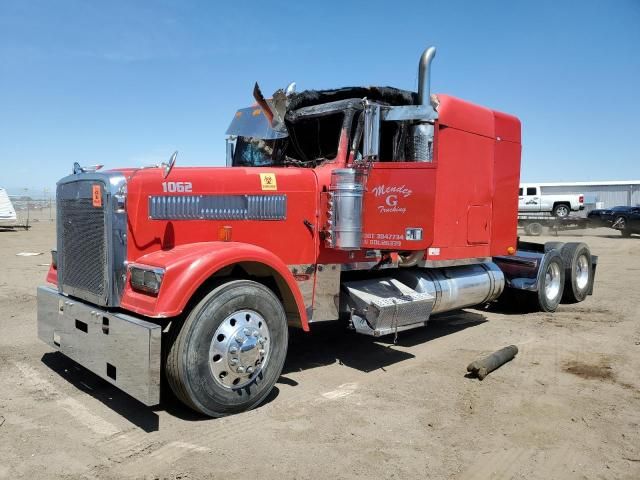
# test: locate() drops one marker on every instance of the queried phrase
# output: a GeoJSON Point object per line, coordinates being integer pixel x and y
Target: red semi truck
{"type": "Point", "coordinates": [376, 207]}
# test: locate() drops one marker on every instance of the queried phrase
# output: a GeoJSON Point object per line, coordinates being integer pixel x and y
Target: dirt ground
{"type": "Point", "coordinates": [347, 406]}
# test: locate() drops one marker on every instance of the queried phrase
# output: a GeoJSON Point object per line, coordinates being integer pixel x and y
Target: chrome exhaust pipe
{"type": "Point", "coordinates": [420, 146]}
{"type": "Point", "coordinates": [424, 76]}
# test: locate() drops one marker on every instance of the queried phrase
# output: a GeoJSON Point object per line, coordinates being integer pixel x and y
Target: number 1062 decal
{"type": "Point", "coordinates": [176, 187]}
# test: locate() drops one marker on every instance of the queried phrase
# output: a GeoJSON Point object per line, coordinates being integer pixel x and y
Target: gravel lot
{"type": "Point", "coordinates": [347, 406]}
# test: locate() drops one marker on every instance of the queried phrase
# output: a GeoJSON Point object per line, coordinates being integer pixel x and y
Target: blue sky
{"type": "Point", "coordinates": [128, 82]}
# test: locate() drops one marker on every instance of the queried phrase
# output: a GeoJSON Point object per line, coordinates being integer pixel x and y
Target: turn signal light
{"type": "Point", "coordinates": [511, 250]}
{"type": "Point", "coordinates": [224, 233]}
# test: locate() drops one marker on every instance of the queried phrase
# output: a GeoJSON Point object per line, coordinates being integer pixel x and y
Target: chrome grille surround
{"type": "Point", "coordinates": [218, 207]}
{"type": "Point", "coordinates": [91, 240]}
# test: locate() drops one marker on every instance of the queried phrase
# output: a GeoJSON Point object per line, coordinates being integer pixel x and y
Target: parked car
{"type": "Point", "coordinates": [625, 219]}
{"type": "Point", "coordinates": [531, 199]}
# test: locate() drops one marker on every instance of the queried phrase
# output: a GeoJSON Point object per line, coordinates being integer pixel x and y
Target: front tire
{"type": "Point", "coordinates": [229, 353]}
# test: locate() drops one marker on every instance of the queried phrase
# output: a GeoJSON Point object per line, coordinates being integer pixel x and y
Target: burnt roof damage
{"type": "Point", "coordinates": [385, 95]}
{"type": "Point", "coordinates": [304, 128]}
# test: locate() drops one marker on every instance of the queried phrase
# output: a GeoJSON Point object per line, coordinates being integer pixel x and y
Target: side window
{"type": "Point", "coordinates": [520, 192]}
{"type": "Point", "coordinates": [531, 191]}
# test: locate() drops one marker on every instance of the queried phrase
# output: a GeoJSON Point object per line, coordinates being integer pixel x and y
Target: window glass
{"type": "Point", "coordinates": [520, 192]}
{"type": "Point", "coordinates": [531, 191]}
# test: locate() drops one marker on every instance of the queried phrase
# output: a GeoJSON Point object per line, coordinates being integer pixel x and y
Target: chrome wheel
{"type": "Point", "coordinates": [582, 272]}
{"type": "Point", "coordinates": [552, 281]}
{"type": "Point", "coordinates": [620, 223]}
{"type": "Point", "coordinates": [562, 211]}
{"type": "Point", "coordinates": [239, 349]}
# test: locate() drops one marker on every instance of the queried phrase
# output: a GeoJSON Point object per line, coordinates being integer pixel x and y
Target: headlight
{"type": "Point", "coordinates": [146, 279]}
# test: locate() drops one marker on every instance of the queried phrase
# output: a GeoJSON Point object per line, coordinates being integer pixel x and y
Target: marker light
{"type": "Point", "coordinates": [224, 233]}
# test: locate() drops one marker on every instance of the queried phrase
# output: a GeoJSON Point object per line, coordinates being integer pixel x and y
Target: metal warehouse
{"type": "Point", "coordinates": [600, 194]}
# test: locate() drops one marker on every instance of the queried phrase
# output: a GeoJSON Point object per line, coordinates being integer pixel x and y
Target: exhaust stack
{"type": "Point", "coordinates": [424, 75]}
{"type": "Point", "coordinates": [420, 147]}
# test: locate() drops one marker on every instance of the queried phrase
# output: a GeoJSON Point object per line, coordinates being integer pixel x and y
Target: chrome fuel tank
{"type": "Point", "coordinates": [455, 287]}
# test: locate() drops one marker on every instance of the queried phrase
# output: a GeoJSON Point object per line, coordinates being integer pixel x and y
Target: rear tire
{"type": "Point", "coordinates": [578, 274]}
{"type": "Point", "coordinates": [622, 225]}
{"type": "Point", "coordinates": [238, 324]}
{"type": "Point", "coordinates": [561, 210]}
{"type": "Point", "coordinates": [550, 282]}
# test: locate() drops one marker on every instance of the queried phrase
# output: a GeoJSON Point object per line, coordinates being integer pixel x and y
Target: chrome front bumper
{"type": "Point", "coordinates": [121, 349]}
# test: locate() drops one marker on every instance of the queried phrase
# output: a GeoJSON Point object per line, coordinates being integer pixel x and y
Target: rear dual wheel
{"type": "Point", "coordinates": [579, 274]}
{"type": "Point", "coordinates": [550, 281]}
{"type": "Point", "coordinates": [229, 353]}
{"type": "Point", "coordinates": [572, 283]}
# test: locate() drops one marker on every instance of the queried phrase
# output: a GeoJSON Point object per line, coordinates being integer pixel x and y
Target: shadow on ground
{"type": "Point", "coordinates": [331, 342]}
{"type": "Point", "coordinates": [325, 345]}
{"type": "Point", "coordinates": [81, 378]}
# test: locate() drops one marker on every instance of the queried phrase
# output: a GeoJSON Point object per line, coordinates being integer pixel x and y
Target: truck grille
{"type": "Point", "coordinates": [83, 252]}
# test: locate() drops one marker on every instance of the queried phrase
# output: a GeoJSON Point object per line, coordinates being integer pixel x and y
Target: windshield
{"type": "Point", "coordinates": [256, 152]}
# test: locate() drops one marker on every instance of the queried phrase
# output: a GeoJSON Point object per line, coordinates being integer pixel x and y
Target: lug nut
{"type": "Point", "coordinates": [247, 332]}
{"type": "Point", "coordinates": [239, 338]}
{"type": "Point", "coordinates": [250, 370]}
{"type": "Point", "coordinates": [233, 350]}
{"type": "Point", "coordinates": [261, 351]}
{"type": "Point", "coordinates": [240, 370]}
{"type": "Point", "coordinates": [234, 361]}
{"type": "Point", "coordinates": [261, 340]}
{"type": "Point", "coordinates": [256, 333]}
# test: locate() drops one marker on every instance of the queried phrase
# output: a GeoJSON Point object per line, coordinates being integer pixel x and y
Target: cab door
{"type": "Point", "coordinates": [398, 206]}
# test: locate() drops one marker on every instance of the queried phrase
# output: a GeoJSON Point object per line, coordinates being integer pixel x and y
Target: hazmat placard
{"type": "Point", "coordinates": [268, 181]}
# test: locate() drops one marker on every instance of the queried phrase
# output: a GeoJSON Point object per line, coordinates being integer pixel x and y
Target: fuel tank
{"type": "Point", "coordinates": [405, 298]}
{"type": "Point", "coordinates": [456, 287]}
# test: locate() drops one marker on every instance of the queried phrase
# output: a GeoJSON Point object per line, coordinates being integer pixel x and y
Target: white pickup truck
{"type": "Point", "coordinates": [531, 200]}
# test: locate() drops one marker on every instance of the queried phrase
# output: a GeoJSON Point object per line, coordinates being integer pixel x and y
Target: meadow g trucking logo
{"type": "Point", "coordinates": [391, 196]}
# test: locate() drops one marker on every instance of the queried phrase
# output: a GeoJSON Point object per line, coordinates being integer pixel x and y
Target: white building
{"type": "Point", "coordinates": [599, 194]}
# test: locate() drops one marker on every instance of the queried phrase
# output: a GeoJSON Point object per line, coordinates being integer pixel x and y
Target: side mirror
{"type": "Point", "coordinates": [167, 167]}
{"type": "Point", "coordinates": [371, 137]}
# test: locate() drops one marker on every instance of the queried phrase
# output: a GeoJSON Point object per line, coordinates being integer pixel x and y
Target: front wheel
{"type": "Point", "coordinates": [229, 353]}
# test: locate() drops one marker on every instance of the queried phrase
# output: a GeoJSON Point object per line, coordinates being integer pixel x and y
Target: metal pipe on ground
{"type": "Point", "coordinates": [483, 367]}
